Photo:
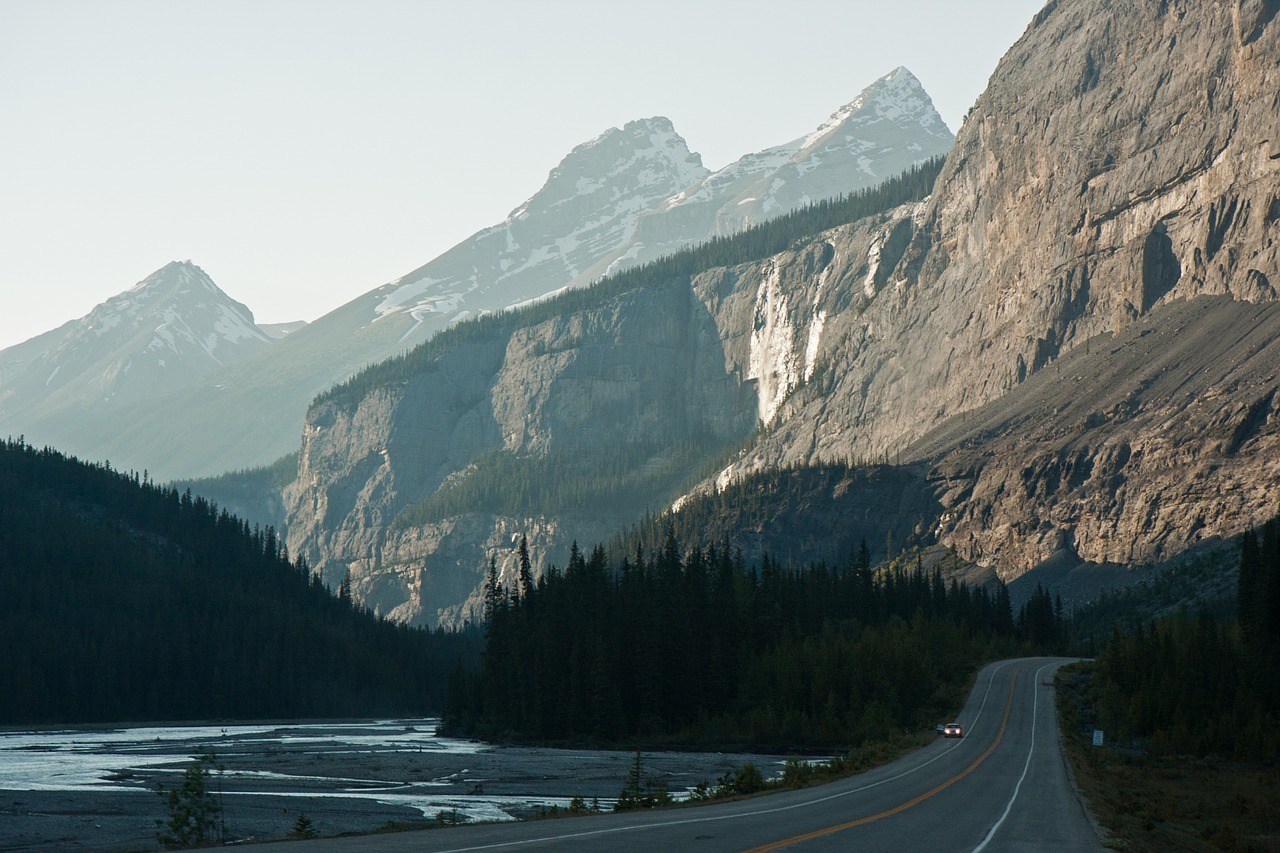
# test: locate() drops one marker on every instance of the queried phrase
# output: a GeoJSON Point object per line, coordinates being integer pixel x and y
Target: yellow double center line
{"type": "Point", "coordinates": [831, 830]}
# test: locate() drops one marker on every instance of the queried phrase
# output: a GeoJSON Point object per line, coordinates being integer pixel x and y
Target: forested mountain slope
{"type": "Point", "coordinates": [127, 601]}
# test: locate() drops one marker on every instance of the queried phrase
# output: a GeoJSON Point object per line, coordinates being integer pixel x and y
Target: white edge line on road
{"type": "Point", "coordinates": [1035, 707]}
{"type": "Point", "coordinates": [616, 829]}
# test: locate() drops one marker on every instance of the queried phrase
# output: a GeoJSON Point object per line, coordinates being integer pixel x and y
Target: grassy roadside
{"type": "Point", "coordinates": [1160, 803]}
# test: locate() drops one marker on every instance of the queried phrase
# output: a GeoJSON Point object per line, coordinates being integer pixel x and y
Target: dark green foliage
{"type": "Point", "coordinates": [194, 810]}
{"type": "Point", "coordinates": [641, 793]}
{"type": "Point", "coordinates": [1042, 621]}
{"type": "Point", "coordinates": [304, 827]}
{"type": "Point", "coordinates": [694, 648]}
{"type": "Point", "coordinates": [1194, 581]}
{"type": "Point", "coordinates": [1258, 588]}
{"type": "Point", "coordinates": [742, 781]}
{"type": "Point", "coordinates": [760, 241]}
{"type": "Point", "coordinates": [1196, 685]}
{"type": "Point", "coordinates": [125, 600]}
{"type": "Point", "coordinates": [267, 479]}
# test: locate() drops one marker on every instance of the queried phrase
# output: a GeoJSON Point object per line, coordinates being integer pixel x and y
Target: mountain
{"type": "Point", "coordinates": [169, 330]}
{"type": "Point", "coordinates": [592, 213]}
{"type": "Point", "coordinates": [1073, 339]}
{"type": "Point", "coordinates": [891, 126]}
{"type": "Point", "coordinates": [567, 419]}
{"type": "Point", "coordinates": [1122, 165]}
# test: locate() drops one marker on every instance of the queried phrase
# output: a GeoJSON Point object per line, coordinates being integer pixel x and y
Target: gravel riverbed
{"type": "Point", "coordinates": [94, 789]}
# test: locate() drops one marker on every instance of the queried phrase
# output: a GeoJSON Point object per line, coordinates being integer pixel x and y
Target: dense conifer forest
{"type": "Point", "coordinates": [125, 600]}
{"type": "Point", "coordinates": [759, 241]}
{"type": "Point", "coordinates": [1198, 685]}
{"type": "Point", "coordinates": [699, 649]}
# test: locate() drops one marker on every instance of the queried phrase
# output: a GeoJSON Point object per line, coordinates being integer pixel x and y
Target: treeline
{"type": "Point", "coordinates": [699, 649]}
{"type": "Point", "coordinates": [751, 244]}
{"type": "Point", "coordinates": [1197, 685]}
{"type": "Point", "coordinates": [125, 600]}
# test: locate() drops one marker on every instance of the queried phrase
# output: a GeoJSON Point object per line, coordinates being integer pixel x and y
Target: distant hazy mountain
{"type": "Point", "coordinates": [276, 331]}
{"type": "Point", "coordinates": [161, 335]}
{"type": "Point", "coordinates": [592, 214]}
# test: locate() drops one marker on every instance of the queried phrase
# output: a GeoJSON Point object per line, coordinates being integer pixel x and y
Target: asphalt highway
{"type": "Point", "coordinates": [1002, 787]}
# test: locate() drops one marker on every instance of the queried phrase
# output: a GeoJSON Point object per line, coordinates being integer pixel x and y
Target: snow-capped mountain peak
{"type": "Point", "coordinates": [890, 126]}
{"type": "Point", "coordinates": [167, 330]}
{"type": "Point", "coordinates": [190, 309]}
{"type": "Point", "coordinates": [897, 98]}
{"type": "Point", "coordinates": [587, 208]}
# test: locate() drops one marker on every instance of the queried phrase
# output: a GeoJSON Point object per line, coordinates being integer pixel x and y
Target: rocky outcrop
{"type": "Point", "coordinates": [1132, 450]}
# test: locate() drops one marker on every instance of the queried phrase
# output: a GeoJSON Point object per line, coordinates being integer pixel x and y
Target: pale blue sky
{"type": "Point", "coordinates": [306, 151]}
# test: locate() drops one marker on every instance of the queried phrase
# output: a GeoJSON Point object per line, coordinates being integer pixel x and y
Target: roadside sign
{"type": "Point", "coordinates": [1097, 737]}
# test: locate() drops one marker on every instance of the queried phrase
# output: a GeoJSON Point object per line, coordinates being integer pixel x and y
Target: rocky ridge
{"type": "Point", "coordinates": [891, 126]}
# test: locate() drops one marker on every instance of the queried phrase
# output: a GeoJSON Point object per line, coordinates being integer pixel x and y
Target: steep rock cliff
{"type": "Point", "coordinates": [1125, 157]}
{"type": "Point", "coordinates": [631, 378]}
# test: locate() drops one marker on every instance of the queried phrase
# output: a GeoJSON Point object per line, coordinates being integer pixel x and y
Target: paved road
{"type": "Point", "coordinates": [1003, 787]}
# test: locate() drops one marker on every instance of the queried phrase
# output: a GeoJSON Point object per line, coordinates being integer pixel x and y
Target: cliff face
{"type": "Point", "coordinates": [1075, 335]}
{"type": "Point", "coordinates": [1125, 158]}
{"type": "Point", "coordinates": [641, 370]}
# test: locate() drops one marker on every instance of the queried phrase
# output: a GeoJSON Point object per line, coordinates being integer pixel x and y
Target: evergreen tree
{"type": "Point", "coordinates": [526, 572]}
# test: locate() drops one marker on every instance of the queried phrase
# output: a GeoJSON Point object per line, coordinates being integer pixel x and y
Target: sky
{"type": "Point", "coordinates": [303, 152]}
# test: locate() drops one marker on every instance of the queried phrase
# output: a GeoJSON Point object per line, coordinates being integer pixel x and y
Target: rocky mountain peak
{"type": "Point", "coordinates": [587, 207]}
{"type": "Point", "coordinates": [644, 157]}
{"type": "Point", "coordinates": [889, 127]}
{"type": "Point", "coordinates": [168, 329]}
{"type": "Point", "coordinates": [897, 98]}
{"type": "Point", "coordinates": [177, 285]}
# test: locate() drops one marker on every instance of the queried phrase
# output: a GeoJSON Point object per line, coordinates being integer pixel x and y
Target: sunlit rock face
{"type": "Point", "coordinates": [1123, 160]}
